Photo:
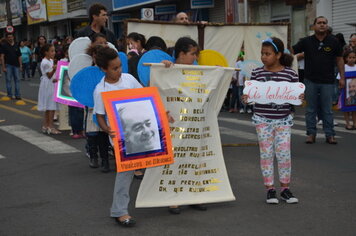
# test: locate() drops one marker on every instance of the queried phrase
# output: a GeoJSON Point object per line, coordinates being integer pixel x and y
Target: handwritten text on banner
{"type": "Point", "coordinates": [273, 92]}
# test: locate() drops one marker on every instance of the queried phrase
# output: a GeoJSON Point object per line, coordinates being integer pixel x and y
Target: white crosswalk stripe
{"type": "Point", "coordinates": [44, 142]}
{"type": "Point", "coordinates": [2, 157]}
{"type": "Point", "coordinates": [243, 134]}
{"type": "Point", "coordinates": [297, 129]}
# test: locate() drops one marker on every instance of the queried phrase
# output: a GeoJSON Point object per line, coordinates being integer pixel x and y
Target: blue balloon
{"type": "Point", "coordinates": [83, 84]}
{"type": "Point", "coordinates": [124, 62]}
{"type": "Point", "coordinates": [152, 56]}
{"type": "Point", "coordinates": [248, 65]}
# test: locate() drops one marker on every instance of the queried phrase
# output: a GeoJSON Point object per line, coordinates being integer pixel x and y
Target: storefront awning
{"type": "Point", "coordinates": [82, 13]}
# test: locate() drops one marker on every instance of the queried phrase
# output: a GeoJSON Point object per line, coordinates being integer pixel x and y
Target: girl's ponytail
{"type": "Point", "coordinates": [286, 59]}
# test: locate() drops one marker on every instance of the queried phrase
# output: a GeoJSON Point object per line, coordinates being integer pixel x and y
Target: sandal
{"type": "Point", "coordinates": [44, 129]}
{"type": "Point", "coordinates": [129, 222]}
{"type": "Point", "coordinates": [53, 131]}
{"type": "Point", "coordinates": [349, 127]}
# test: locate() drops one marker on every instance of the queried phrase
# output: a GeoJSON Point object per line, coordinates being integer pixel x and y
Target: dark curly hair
{"type": "Point", "coordinates": [103, 56]}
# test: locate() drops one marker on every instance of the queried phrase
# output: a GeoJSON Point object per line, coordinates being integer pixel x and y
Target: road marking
{"type": "Point", "coordinates": [247, 135]}
{"type": "Point", "coordinates": [44, 142]}
{"type": "Point", "coordinates": [25, 99]}
{"type": "Point", "coordinates": [34, 85]}
{"type": "Point", "coordinates": [320, 127]}
{"type": "Point", "coordinates": [21, 112]}
{"type": "Point", "coordinates": [238, 133]}
{"type": "Point", "coordinates": [2, 157]}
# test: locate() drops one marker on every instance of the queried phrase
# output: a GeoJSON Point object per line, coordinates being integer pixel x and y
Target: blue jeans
{"type": "Point", "coordinates": [26, 70]}
{"type": "Point", "coordinates": [319, 95]}
{"type": "Point", "coordinates": [76, 118]}
{"type": "Point", "coordinates": [12, 72]}
{"type": "Point", "coordinates": [236, 97]}
{"type": "Point", "coordinates": [240, 93]}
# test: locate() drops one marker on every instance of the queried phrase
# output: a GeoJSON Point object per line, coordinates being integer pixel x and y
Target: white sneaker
{"type": "Point", "coordinates": [320, 122]}
{"type": "Point", "coordinates": [242, 111]}
{"type": "Point", "coordinates": [249, 111]}
{"type": "Point", "coordinates": [335, 123]}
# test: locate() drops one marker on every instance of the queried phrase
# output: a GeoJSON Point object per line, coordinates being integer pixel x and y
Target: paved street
{"type": "Point", "coordinates": [54, 192]}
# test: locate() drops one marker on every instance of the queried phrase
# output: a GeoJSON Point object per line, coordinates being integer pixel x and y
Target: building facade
{"type": "Point", "coordinates": [64, 17]}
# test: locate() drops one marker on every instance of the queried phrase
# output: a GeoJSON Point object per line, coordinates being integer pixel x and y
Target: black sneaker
{"type": "Point", "coordinates": [93, 162]}
{"type": "Point", "coordinates": [287, 196]}
{"type": "Point", "coordinates": [272, 197]}
{"type": "Point", "coordinates": [105, 167]}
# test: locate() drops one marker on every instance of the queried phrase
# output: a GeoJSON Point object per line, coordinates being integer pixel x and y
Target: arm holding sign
{"type": "Point", "coordinates": [341, 67]}
{"type": "Point", "coordinates": [104, 126]}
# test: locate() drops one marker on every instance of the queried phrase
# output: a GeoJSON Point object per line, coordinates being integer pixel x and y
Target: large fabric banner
{"type": "Point", "coordinates": [226, 39]}
{"type": "Point", "coordinates": [254, 35]}
{"type": "Point", "coordinates": [170, 33]}
{"type": "Point", "coordinates": [193, 95]}
{"type": "Point", "coordinates": [229, 45]}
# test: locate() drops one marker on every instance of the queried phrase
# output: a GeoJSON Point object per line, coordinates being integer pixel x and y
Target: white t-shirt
{"type": "Point", "coordinates": [238, 75]}
{"type": "Point", "coordinates": [347, 69]}
{"type": "Point", "coordinates": [126, 81]}
{"type": "Point", "coordinates": [47, 66]}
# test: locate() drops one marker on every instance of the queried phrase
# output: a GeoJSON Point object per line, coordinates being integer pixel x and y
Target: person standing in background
{"type": "Point", "coordinates": [11, 64]}
{"type": "Point", "coordinates": [182, 17]}
{"type": "Point", "coordinates": [36, 62]}
{"type": "Point", "coordinates": [25, 57]}
{"type": "Point", "coordinates": [98, 16]}
{"type": "Point", "coordinates": [321, 51]}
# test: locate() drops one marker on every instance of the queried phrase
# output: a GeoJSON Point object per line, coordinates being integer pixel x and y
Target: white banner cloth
{"type": "Point", "coordinates": [193, 95]}
{"type": "Point", "coordinates": [227, 40]}
{"type": "Point", "coordinates": [169, 33]}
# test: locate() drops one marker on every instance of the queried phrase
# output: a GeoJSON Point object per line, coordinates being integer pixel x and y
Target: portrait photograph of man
{"type": "Point", "coordinates": [351, 92]}
{"type": "Point", "coordinates": [139, 126]}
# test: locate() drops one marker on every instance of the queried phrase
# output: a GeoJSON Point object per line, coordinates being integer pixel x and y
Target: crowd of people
{"type": "Point", "coordinates": [322, 53]}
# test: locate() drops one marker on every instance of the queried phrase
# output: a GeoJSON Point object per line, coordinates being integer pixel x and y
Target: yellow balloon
{"type": "Point", "coordinates": [210, 57]}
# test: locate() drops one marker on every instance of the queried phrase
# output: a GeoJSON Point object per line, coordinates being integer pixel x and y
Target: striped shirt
{"type": "Point", "coordinates": [272, 110]}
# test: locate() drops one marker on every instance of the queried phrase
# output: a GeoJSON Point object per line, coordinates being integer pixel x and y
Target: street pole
{"type": "Point", "coordinates": [8, 13]}
{"type": "Point", "coordinates": [245, 10]}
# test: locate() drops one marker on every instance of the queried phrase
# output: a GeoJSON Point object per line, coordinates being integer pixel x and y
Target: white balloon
{"type": "Point", "coordinates": [78, 63]}
{"type": "Point", "coordinates": [78, 46]}
{"type": "Point", "coordinates": [112, 46]}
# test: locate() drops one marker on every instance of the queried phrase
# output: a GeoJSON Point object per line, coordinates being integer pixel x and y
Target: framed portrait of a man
{"type": "Point", "coordinates": [348, 95]}
{"type": "Point", "coordinates": [62, 92]}
{"type": "Point", "coordinates": [142, 137]}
